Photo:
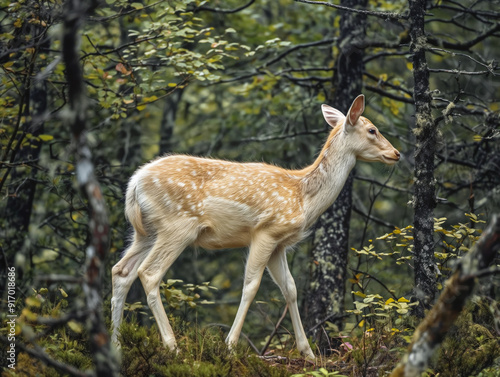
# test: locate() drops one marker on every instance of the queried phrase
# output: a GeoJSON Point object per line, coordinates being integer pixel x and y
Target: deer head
{"type": "Point", "coordinates": [362, 136]}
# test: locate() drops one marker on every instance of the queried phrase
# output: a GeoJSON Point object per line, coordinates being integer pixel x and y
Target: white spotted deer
{"type": "Point", "coordinates": [179, 201]}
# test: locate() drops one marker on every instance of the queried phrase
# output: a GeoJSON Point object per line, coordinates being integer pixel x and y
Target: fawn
{"type": "Point", "coordinates": [178, 201]}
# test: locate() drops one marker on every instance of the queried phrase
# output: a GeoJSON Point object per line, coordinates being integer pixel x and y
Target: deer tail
{"type": "Point", "coordinates": [133, 211]}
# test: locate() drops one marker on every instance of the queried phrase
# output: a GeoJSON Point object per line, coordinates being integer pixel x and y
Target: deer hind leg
{"type": "Point", "coordinates": [260, 250]}
{"type": "Point", "coordinates": [123, 275]}
{"type": "Point", "coordinates": [168, 246]}
{"type": "Point", "coordinates": [278, 268]}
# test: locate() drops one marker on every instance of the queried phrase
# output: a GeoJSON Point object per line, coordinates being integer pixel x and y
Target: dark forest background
{"type": "Point", "coordinates": [244, 80]}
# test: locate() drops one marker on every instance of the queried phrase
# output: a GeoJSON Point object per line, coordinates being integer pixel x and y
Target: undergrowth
{"type": "Point", "coordinates": [372, 342]}
{"type": "Point", "coordinates": [471, 349]}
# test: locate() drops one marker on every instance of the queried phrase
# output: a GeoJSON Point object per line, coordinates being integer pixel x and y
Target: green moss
{"type": "Point", "coordinates": [201, 353]}
{"type": "Point", "coordinates": [470, 346]}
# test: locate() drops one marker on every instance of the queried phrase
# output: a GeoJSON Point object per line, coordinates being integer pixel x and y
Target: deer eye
{"type": "Point", "coordinates": [373, 131]}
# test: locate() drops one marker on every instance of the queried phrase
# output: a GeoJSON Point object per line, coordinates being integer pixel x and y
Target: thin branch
{"type": "Point", "coordinates": [384, 83]}
{"type": "Point", "coordinates": [384, 93]}
{"type": "Point", "coordinates": [224, 11]}
{"type": "Point", "coordinates": [258, 70]}
{"type": "Point", "coordinates": [298, 47]}
{"type": "Point", "coordinates": [372, 218]}
{"type": "Point", "coordinates": [384, 15]}
{"type": "Point", "coordinates": [465, 45]}
{"type": "Point", "coordinates": [327, 318]}
{"type": "Point", "coordinates": [466, 73]}
{"type": "Point", "coordinates": [377, 280]}
{"type": "Point", "coordinates": [38, 353]}
{"type": "Point", "coordinates": [384, 185]}
{"type": "Point", "coordinates": [253, 346]}
{"type": "Point", "coordinates": [275, 330]}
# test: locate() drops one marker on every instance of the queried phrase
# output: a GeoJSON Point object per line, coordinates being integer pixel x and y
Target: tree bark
{"type": "Point", "coordinates": [424, 200]}
{"type": "Point", "coordinates": [104, 358]}
{"type": "Point", "coordinates": [329, 254]}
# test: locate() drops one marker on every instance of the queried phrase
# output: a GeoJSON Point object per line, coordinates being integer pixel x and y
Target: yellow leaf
{"type": "Point", "coordinates": [141, 107]}
{"type": "Point", "coordinates": [46, 137]}
{"type": "Point", "coordinates": [402, 299]}
{"type": "Point", "coordinates": [362, 323]}
{"type": "Point", "coordinates": [30, 316]}
{"type": "Point", "coordinates": [409, 66]}
{"type": "Point", "coordinates": [63, 293]}
{"type": "Point", "coordinates": [360, 294]}
{"type": "Point", "coordinates": [75, 326]}
{"type": "Point", "coordinates": [150, 99]}
{"type": "Point", "coordinates": [389, 301]}
{"type": "Point", "coordinates": [33, 301]}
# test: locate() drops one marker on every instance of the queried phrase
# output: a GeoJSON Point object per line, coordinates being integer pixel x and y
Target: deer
{"type": "Point", "coordinates": [178, 201]}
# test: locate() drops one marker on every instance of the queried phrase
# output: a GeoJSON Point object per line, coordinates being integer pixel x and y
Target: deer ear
{"type": "Point", "coordinates": [331, 115]}
{"type": "Point", "coordinates": [357, 108]}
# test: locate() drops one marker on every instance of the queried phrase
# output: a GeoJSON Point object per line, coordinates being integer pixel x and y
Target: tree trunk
{"type": "Point", "coordinates": [424, 200]}
{"type": "Point", "coordinates": [326, 292]}
{"type": "Point", "coordinates": [104, 359]}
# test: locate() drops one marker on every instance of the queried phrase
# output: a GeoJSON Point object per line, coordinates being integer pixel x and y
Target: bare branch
{"type": "Point", "coordinates": [297, 47]}
{"type": "Point", "coordinates": [384, 15]}
{"type": "Point", "coordinates": [224, 11]}
{"type": "Point", "coordinates": [275, 330]}
{"type": "Point", "coordinates": [465, 45]}
{"type": "Point", "coordinates": [384, 93]}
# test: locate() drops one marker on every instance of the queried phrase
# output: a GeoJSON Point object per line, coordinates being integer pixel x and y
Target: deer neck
{"type": "Point", "coordinates": [325, 178]}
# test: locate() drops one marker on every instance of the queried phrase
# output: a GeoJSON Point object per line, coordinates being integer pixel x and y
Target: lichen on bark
{"type": "Point", "coordinates": [329, 255]}
{"type": "Point", "coordinates": [425, 130]}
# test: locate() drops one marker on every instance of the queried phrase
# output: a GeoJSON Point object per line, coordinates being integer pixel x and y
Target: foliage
{"type": "Point", "coordinates": [244, 85]}
{"type": "Point", "coordinates": [382, 329]}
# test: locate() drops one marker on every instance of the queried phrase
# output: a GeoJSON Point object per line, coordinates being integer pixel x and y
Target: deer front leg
{"type": "Point", "coordinates": [260, 251]}
{"type": "Point", "coordinates": [278, 268]}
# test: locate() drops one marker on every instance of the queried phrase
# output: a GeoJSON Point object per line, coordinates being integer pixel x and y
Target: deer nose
{"type": "Point", "coordinates": [398, 155]}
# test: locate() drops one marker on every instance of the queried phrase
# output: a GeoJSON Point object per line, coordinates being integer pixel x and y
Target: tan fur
{"type": "Point", "coordinates": [133, 211]}
{"type": "Point", "coordinates": [178, 201]}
